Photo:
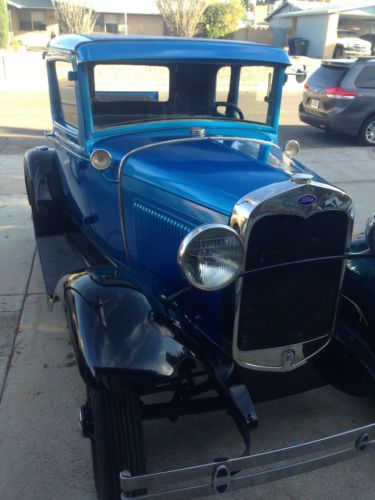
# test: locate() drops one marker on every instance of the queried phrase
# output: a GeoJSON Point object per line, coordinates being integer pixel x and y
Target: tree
{"type": "Point", "coordinates": [182, 16]}
{"type": "Point", "coordinates": [75, 16]}
{"type": "Point", "coordinates": [4, 24]}
{"type": "Point", "coordinates": [221, 19]}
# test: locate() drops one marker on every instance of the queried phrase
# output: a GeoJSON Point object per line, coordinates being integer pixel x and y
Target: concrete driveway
{"type": "Point", "coordinates": [42, 454]}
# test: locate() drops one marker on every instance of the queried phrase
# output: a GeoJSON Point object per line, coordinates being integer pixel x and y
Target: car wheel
{"type": "Point", "coordinates": [367, 134]}
{"type": "Point", "coordinates": [338, 52]}
{"type": "Point", "coordinates": [117, 442]}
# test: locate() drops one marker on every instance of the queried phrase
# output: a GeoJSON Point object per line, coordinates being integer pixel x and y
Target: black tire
{"type": "Point", "coordinates": [366, 136]}
{"type": "Point", "coordinates": [117, 443]}
{"type": "Point", "coordinates": [338, 52]}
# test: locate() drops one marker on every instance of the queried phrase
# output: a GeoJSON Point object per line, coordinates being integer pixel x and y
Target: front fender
{"type": "Point", "coordinates": [349, 361]}
{"type": "Point", "coordinates": [119, 332]}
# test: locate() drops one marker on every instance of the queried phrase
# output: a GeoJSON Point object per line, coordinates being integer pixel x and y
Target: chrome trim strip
{"type": "Point", "coordinates": [168, 143]}
{"type": "Point", "coordinates": [317, 454]}
{"type": "Point", "coordinates": [275, 199]}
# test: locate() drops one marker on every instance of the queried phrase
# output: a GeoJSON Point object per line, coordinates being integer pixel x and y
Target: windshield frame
{"type": "Point", "coordinates": [165, 122]}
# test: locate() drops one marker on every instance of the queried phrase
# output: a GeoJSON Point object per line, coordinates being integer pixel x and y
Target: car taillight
{"type": "Point", "coordinates": [339, 93]}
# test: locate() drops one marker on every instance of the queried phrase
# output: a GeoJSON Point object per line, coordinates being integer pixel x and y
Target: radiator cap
{"type": "Point", "coordinates": [302, 178]}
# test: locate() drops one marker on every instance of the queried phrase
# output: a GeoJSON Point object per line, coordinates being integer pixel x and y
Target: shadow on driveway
{"type": "Point", "coordinates": [16, 140]}
{"type": "Point", "coordinates": [312, 137]}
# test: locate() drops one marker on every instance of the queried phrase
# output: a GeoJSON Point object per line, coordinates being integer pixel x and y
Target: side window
{"type": "Point", "coordinates": [222, 83]}
{"type": "Point", "coordinates": [254, 92]}
{"type": "Point", "coordinates": [67, 112]}
{"type": "Point", "coordinates": [366, 78]}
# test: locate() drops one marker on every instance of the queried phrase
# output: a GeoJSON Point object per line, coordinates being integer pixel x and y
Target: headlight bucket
{"type": "Point", "coordinates": [211, 256]}
{"type": "Point", "coordinates": [100, 159]}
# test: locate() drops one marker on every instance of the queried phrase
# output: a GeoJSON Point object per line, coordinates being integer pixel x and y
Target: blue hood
{"type": "Point", "coordinates": [212, 173]}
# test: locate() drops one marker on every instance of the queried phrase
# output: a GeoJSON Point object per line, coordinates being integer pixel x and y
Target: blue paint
{"type": "Point", "coordinates": [167, 190]}
{"type": "Point", "coordinates": [307, 199]}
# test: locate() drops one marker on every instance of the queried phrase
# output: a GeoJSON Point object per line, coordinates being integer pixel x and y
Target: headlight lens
{"type": "Point", "coordinates": [211, 256]}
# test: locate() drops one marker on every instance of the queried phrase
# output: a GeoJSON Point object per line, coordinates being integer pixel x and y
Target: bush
{"type": "Point", "coordinates": [4, 24]}
{"type": "Point", "coordinates": [221, 19]}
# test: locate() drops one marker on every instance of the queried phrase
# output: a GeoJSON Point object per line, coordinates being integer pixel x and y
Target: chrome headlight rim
{"type": "Point", "coordinates": [94, 159]}
{"type": "Point", "coordinates": [182, 255]}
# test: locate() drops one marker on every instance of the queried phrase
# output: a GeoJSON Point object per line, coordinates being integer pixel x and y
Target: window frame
{"type": "Point", "coordinates": [234, 88]}
{"type": "Point", "coordinates": [29, 13]}
{"type": "Point", "coordinates": [59, 115]}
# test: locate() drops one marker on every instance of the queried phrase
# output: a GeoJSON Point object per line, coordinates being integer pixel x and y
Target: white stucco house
{"type": "Point", "coordinates": [318, 22]}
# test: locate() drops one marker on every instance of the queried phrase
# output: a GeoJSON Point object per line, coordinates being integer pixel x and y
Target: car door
{"type": "Point", "coordinates": [66, 123]}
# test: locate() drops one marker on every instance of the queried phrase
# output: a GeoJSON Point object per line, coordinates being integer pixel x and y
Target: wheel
{"type": "Point", "coordinates": [366, 136]}
{"type": "Point", "coordinates": [338, 52]}
{"type": "Point", "coordinates": [117, 443]}
{"type": "Point", "coordinates": [40, 224]}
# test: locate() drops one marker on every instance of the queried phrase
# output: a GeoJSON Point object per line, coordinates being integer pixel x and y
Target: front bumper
{"type": "Point", "coordinates": [233, 474]}
{"type": "Point", "coordinates": [356, 53]}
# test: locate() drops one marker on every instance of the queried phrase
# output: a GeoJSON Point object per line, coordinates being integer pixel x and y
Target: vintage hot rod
{"type": "Point", "coordinates": [195, 259]}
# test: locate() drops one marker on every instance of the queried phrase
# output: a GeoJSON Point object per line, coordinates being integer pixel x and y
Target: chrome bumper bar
{"type": "Point", "coordinates": [229, 475]}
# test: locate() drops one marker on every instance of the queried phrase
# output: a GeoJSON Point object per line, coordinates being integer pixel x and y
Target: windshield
{"type": "Point", "coordinates": [124, 93]}
{"type": "Point", "coordinates": [347, 34]}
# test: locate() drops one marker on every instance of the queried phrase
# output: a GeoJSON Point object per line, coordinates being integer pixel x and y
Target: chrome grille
{"type": "Point", "coordinates": [297, 303]}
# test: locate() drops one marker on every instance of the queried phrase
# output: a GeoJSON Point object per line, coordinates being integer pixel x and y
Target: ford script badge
{"type": "Point", "coordinates": [307, 199]}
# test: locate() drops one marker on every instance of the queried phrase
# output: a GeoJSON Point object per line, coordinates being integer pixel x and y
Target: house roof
{"type": "Point", "coordinates": [31, 4]}
{"type": "Point", "coordinates": [303, 8]}
{"type": "Point", "coordinates": [107, 6]}
{"type": "Point", "coordinates": [293, 6]}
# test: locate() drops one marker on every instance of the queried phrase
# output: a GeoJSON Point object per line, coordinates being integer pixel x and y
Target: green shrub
{"type": "Point", "coordinates": [220, 19]}
{"type": "Point", "coordinates": [4, 24]}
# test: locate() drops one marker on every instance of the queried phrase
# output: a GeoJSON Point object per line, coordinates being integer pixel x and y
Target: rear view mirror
{"type": "Point", "coordinates": [300, 75]}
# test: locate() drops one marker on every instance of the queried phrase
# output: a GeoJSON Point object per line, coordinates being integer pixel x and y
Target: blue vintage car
{"type": "Point", "coordinates": [194, 255]}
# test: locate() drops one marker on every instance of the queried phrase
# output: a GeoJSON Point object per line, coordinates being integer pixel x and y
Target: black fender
{"type": "Point", "coordinates": [124, 334]}
{"type": "Point", "coordinates": [349, 361]}
{"type": "Point", "coordinates": [44, 191]}
{"type": "Point", "coordinates": [119, 331]}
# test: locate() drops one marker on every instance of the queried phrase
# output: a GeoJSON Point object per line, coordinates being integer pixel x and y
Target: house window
{"type": "Point", "coordinates": [32, 20]}
{"type": "Point", "coordinates": [107, 23]}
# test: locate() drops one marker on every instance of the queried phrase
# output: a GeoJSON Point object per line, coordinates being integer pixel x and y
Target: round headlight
{"type": "Point", "coordinates": [101, 159]}
{"type": "Point", "coordinates": [211, 256]}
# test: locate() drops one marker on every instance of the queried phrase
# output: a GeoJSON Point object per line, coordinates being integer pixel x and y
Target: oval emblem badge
{"type": "Point", "coordinates": [221, 479]}
{"type": "Point", "coordinates": [307, 199]}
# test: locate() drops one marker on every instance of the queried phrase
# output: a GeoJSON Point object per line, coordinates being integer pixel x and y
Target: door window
{"type": "Point", "coordinates": [67, 102]}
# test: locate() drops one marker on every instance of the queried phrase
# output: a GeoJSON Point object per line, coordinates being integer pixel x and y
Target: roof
{"type": "Point", "coordinates": [304, 8]}
{"type": "Point", "coordinates": [293, 6]}
{"type": "Point", "coordinates": [134, 48]}
{"type": "Point", "coordinates": [107, 6]}
{"type": "Point", "coordinates": [31, 4]}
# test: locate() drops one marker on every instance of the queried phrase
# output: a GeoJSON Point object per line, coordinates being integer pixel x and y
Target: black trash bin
{"type": "Point", "coordinates": [292, 46]}
{"type": "Point", "coordinates": [301, 45]}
